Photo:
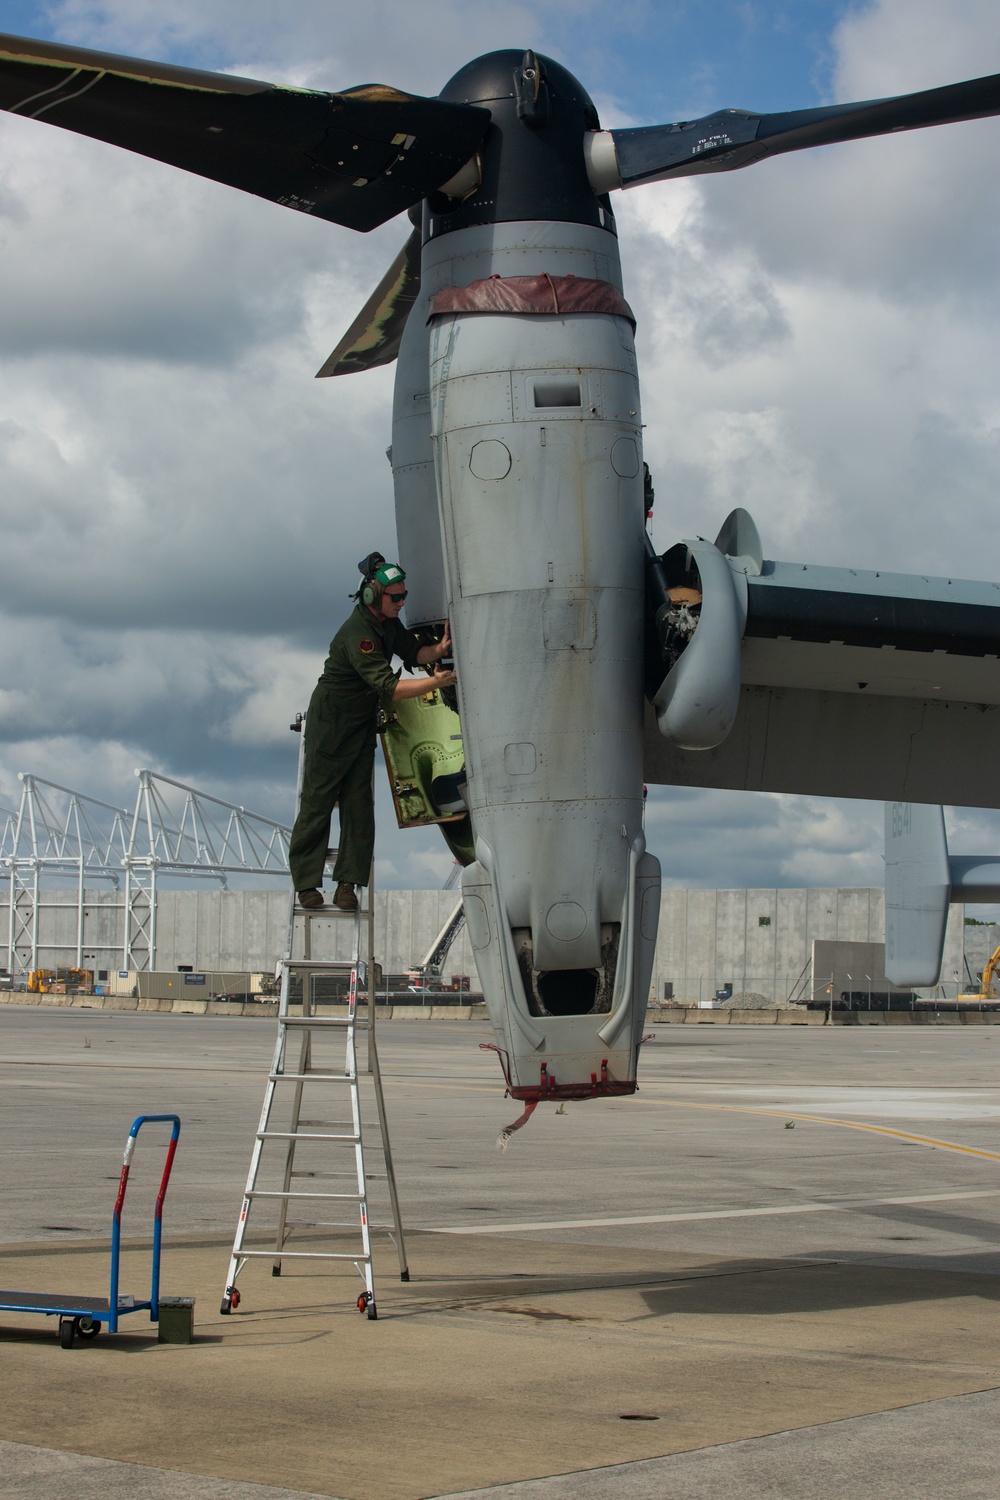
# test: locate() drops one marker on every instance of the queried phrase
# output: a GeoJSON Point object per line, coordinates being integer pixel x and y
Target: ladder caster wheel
{"type": "Point", "coordinates": [366, 1303]}
{"type": "Point", "coordinates": [231, 1300]}
{"type": "Point", "coordinates": [67, 1332]}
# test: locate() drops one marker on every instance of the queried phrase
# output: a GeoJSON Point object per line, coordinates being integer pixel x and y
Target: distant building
{"type": "Point", "coordinates": [757, 941]}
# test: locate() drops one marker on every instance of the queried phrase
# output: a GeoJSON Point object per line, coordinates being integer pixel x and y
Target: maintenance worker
{"type": "Point", "coordinates": [340, 730]}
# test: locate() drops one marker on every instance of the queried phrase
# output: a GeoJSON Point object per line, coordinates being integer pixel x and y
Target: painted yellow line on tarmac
{"type": "Point", "coordinates": [784, 1114]}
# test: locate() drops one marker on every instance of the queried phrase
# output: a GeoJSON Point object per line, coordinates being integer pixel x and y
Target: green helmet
{"type": "Point", "coordinates": [389, 573]}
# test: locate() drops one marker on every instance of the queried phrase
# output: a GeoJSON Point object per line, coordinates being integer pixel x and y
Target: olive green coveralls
{"type": "Point", "coordinates": [357, 680]}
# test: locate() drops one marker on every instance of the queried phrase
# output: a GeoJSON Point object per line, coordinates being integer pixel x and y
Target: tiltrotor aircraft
{"type": "Point", "coordinates": [521, 507]}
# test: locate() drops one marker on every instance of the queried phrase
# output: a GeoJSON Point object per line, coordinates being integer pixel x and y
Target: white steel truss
{"type": "Point", "coordinates": [174, 829]}
{"type": "Point", "coordinates": [60, 833]}
{"type": "Point", "coordinates": [8, 830]}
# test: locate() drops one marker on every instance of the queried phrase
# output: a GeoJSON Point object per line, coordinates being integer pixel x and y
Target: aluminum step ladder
{"type": "Point", "coordinates": [309, 1149]}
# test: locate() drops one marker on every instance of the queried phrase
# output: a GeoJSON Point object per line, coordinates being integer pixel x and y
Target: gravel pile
{"type": "Point", "coordinates": [750, 1000]}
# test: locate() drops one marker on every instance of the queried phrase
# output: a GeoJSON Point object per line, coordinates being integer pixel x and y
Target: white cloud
{"type": "Point", "coordinates": [899, 46]}
{"type": "Point", "coordinates": [414, 45]}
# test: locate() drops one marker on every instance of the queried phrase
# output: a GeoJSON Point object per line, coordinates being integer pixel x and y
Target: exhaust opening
{"type": "Point", "coordinates": [568, 992]}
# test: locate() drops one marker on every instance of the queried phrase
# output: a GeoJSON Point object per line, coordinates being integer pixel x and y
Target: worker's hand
{"type": "Point", "coordinates": [442, 677]}
{"type": "Point", "coordinates": [443, 647]}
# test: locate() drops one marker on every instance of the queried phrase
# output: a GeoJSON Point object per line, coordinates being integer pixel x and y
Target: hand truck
{"type": "Point", "coordinates": [85, 1316]}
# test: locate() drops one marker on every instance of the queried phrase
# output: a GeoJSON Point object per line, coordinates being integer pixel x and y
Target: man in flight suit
{"type": "Point", "coordinates": [357, 681]}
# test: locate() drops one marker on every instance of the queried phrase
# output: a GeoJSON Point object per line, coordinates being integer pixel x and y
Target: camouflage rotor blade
{"type": "Point", "coordinates": [734, 138]}
{"type": "Point", "coordinates": [374, 336]}
{"type": "Point", "coordinates": [357, 158]}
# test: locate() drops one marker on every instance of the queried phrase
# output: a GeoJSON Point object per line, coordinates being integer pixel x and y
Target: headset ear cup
{"type": "Point", "coordinates": [368, 594]}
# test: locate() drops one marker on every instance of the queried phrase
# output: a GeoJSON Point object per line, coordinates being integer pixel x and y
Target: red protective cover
{"type": "Point", "coordinates": [552, 296]}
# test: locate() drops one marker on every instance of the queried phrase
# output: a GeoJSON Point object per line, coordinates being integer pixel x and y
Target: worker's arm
{"type": "Point", "coordinates": [416, 687]}
{"type": "Point", "coordinates": [428, 654]}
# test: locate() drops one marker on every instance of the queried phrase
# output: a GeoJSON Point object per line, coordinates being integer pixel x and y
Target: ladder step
{"type": "Point", "coordinates": [303, 1254]}
{"type": "Point", "coordinates": [312, 1077]}
{"type": "Point", "coordinates": [301, 1135]}
{"type": "Point", "coordinates": [276, 1193]}
{"type": "Point", "coordinates": [322, 1176]}
{"type": "Point", "coordinates": [333, 1224]}
{"type": "Point", "coordinates": [328, 910]}
{"type": "Point", "coordinates": [339, 1023]}
{"type": "Point", "coordinates": [323, 1224]}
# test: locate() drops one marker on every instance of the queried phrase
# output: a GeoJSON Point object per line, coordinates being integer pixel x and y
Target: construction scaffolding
{"type": "Point", "coordinates": [59, 835]}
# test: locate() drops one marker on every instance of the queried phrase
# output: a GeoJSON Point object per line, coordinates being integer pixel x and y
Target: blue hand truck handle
{"type": "Point", "coordinates": [116, 1222]}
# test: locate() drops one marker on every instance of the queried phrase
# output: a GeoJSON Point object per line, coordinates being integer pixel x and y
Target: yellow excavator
{"type": "Point", "coordinates": [60, 981]}
{"type": "Point", "coordinates": [987, 989]}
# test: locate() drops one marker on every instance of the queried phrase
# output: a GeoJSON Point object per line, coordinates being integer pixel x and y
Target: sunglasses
{"type": "Point", "coordinates": [397, 598]}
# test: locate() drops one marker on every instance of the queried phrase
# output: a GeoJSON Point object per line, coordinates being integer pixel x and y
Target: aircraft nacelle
{"type": "Point", "coordinates": [517, 442]}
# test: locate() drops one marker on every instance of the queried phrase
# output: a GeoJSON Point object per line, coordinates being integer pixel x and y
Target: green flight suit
{"type": "Point", "coordinates": [357, 681]}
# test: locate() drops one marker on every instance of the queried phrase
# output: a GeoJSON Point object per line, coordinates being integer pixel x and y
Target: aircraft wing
{"type": "Point", "coordinates": [357, 158]}
{"type": "Point", "coordinates": [858, 684]}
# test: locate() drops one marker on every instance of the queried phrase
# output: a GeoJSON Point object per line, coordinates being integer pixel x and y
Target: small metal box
{"type": "Point", "coordinates": [176, 1322]}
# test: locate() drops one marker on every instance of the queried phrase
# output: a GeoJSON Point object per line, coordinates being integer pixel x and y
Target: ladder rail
{"type": "Point", "coordinates": [390, 1171]}
{"type": "Point", "coordinates": [277, 1059]}
{"type": "Point", "coordinates": [305, 1052]}
{"type": "Point", "coordinates": [359, 1150]}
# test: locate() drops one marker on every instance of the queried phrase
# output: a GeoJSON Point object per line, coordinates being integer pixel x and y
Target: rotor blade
{"type": "Point", "coordinates": [736, 137]}
{"type": "Point", "coordinates": [357, 158]}
{"type": "Point", "coordinates": [374, 336]}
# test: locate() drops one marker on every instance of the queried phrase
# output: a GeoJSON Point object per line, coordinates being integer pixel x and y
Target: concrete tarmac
{"type": "Point", "coordinates": [774, 1272]}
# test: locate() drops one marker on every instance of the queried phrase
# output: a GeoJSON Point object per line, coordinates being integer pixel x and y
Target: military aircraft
{"type": "Point", "coordinates": [522, 501]}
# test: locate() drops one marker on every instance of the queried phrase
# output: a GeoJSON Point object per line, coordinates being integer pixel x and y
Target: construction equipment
{"type": "Point", "coordinates": [309, 1153]}
{"type": "Point", "coordinates": [61, 981]}
{"type": "Point", "coordinates": [85, 1316]}
{"type": "Point", "coordinates": [987, 987]}
{"type": "Point", "coordinates": [426, 974]}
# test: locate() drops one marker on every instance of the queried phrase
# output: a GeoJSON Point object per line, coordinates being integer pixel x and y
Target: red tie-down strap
{"type": "Point", "coordinates": [523, 1119]}
{"type": "Point", "coordinates": [550, 296]}
{"type": "Point", "coordinates": [508, 1130]}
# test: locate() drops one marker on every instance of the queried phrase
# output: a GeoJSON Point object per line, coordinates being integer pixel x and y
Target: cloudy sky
{"type": "Point", "coordinates": [182, 504]}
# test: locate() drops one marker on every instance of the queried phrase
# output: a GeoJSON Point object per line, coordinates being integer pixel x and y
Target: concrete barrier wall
{"type": "Point", "coordinates": [676, 1015]}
